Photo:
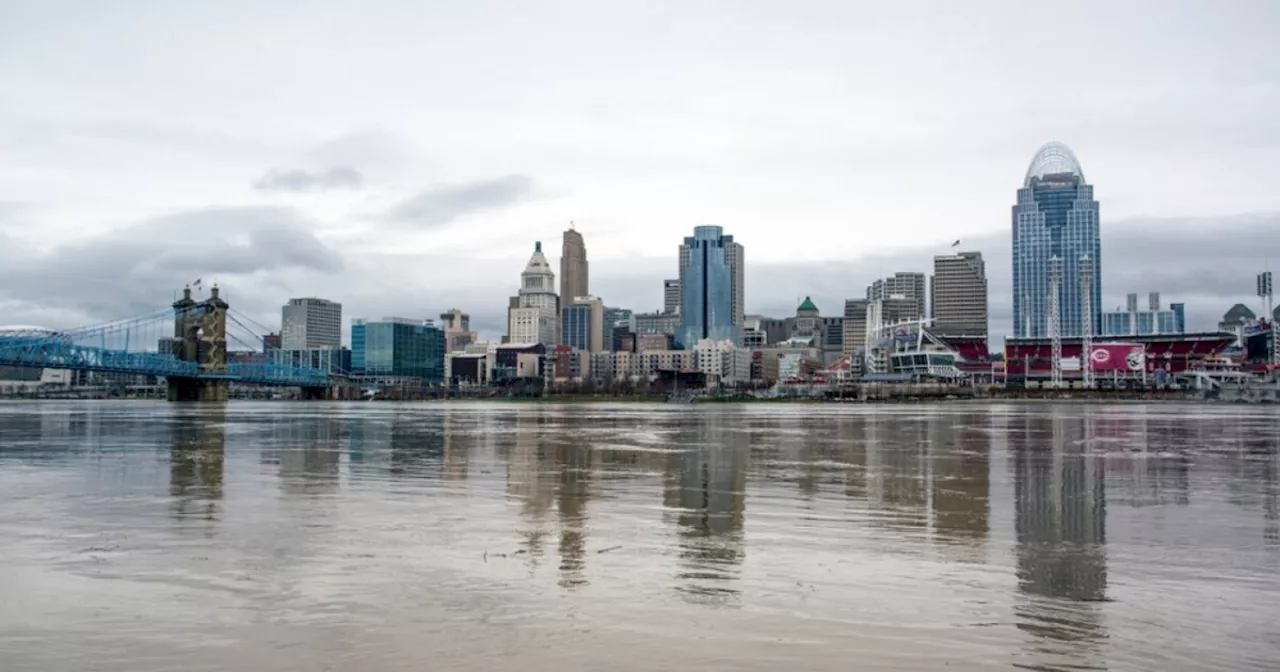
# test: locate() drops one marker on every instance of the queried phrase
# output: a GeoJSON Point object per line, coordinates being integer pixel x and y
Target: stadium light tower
{"type": "Point", "coordinates": [1026, 316]}
{"type": "Point", "coordinates": [1086, 320]}
{"type": "Point", "coordinates": [1055, 321]}
{"type": "Point", "coordinates": [1268, 307]}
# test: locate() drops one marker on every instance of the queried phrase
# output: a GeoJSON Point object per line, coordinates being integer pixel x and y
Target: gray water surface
{"type": "Point", "coordinates": [138, 537]}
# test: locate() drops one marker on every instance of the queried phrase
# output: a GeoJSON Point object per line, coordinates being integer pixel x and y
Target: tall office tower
{"type": "Point", "coordinates": [671, 296]}
{"type": "Point", "coordinates": [711, 287]}
{"type": "Point", "coordinates": [959, 289]}
{"type": "Point", "coordinates": [855, 326]}
{"type": "Point", "coordinates": [536, 319]}
{"type": "Point", "coordinates": [909, 286]}
{"type": "Point", "coordinates": [831, 330]}
{"type": "Point", "coordinates": [1055, 218]}
{"type": "Point", "coordinates": [573, 267]}
{"type": "Point", "coordinates": [457, 329]}
{"type": "Point", "coordinates": [582, 324]}
{"type": "Point", "coordinates": [513, 302]}
{"type": "Point", "coordinates": [455, 319]}
{"type": "Point", "coordinates": [311, 324]}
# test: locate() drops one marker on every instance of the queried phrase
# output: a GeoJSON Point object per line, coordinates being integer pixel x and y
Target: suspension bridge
{"type": "Point", "coordinates": [186, 345]}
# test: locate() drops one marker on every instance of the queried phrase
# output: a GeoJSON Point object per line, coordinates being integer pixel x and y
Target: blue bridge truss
{"type": "Point", "coordinates": [130, 347]}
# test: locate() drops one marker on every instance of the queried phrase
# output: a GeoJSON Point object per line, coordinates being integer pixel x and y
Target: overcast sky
{"type": "Point", "coordinates": [403, 157]}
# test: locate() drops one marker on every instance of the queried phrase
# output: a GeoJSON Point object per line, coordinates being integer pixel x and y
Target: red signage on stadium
{"type": "Point", "coordinates": [1105, 357]}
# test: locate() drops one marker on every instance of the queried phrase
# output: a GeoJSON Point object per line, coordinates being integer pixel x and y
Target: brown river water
{"type": "Point", "coordinates": [484, 536]}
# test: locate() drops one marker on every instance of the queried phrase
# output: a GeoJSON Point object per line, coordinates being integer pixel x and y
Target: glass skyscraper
{"type": "Point", "coordinates": [397, 347]}
{"type": "Point", "coordinates": [357, 346]}
{"type": "Point", "coordinates": [1055, 217]}
{"type": "Point", "coordinates": [710, 287]}
{"type": "Point", "coordinates": [575, 326]}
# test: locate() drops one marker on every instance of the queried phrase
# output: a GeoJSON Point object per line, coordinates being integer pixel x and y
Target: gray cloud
{"type": "Point", "coordinates": [337, 177]}
{"type": "Point", "coordinates": [263, 256]}
{"type": "Point", "coordinates": [695, 124]}
{"type": "Point", "coordinates": [135, 271]}
{"type": "Point", "coordinates": [1207, 263]}
{"type": "Point", "coordinates": [380, 151]}
{"type": "Point", "coordinates": [441, 205]}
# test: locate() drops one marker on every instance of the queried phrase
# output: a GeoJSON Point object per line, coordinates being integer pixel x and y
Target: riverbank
{"type": "Point", "coordinates": [1021, 397]}
{"type": "Point", "coordinates": [569, 399]}
{"type": "Point", "coordinates": [1046, 398]}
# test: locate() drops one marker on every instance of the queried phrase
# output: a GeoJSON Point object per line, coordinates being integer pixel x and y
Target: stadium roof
{"type": "Point", "coordinates": [23, 330]}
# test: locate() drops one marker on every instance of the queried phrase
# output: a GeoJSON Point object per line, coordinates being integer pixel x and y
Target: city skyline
{"type": "Point", "coordinates": [124, 162]}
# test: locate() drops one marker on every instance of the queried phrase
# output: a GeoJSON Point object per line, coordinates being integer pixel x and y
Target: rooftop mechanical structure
{"type": "Point", "coordinates": [1051, 160]}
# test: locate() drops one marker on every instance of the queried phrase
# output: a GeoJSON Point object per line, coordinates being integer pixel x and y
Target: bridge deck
{"type": "Point", "coordinates": [61, 353]}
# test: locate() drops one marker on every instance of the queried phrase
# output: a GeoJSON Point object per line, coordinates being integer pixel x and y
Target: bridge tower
{"type": "Point", "coordinates": [200, 335]}
{"type": "Point", "coordinates": [184, 323]}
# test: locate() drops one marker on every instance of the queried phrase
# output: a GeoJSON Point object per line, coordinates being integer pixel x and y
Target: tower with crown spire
{"type": "Point", "coordinates": [533, 320]}
{"type": "Point", "coordinates": [573, 267]}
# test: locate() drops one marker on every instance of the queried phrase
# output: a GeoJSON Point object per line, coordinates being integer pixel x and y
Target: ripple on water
{"type": "Point", "coordinates": [629, 536]}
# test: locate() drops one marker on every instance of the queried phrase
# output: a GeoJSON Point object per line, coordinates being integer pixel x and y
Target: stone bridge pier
{"type": "Point", "coordinates": [200, 335]}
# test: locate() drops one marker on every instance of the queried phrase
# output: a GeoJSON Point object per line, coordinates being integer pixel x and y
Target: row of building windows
{"type": "Point", "coordinates": [397, 348]}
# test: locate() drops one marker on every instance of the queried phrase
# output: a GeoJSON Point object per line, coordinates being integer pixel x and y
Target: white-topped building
{"type": "Point", "coordinates": [536, 319]}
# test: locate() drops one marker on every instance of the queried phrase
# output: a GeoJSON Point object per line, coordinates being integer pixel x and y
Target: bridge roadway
{"type": "Point", "coordinates": [59, 351]}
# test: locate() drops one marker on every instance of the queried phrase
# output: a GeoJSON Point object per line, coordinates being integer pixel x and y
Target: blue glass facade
{"type": "Point", "coordinates": [614, 316]}
{"type": "Point", "coordinates": [357, 346]}
{"type": "Point", "coordinates": [575, 326]}
{"type": "Point", "coordinates": [1178, 317]}
{"type": "Point", "coordinates": [1116, 324]}
{"type": "Point", "coordinates": [329, 360]}
{"type": "Point", "coordinates": [706, 294]}
{"type": "Point", "coordinates": [1144, 322]}
{"type": "Point", "coordinates": [1055, 216]}
{"type": "Point", "coordinates": [398, 348]}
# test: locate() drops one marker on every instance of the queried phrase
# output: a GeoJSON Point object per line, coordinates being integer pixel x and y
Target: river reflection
{"type": "Point", "coordinates": [1060, 519]}
{"type": "Point", "coordinates": [196, 454]}
{"type": "Point", "coordinates": [491, 536]}
{"type": "Point", "coordinates": [704, 492]}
